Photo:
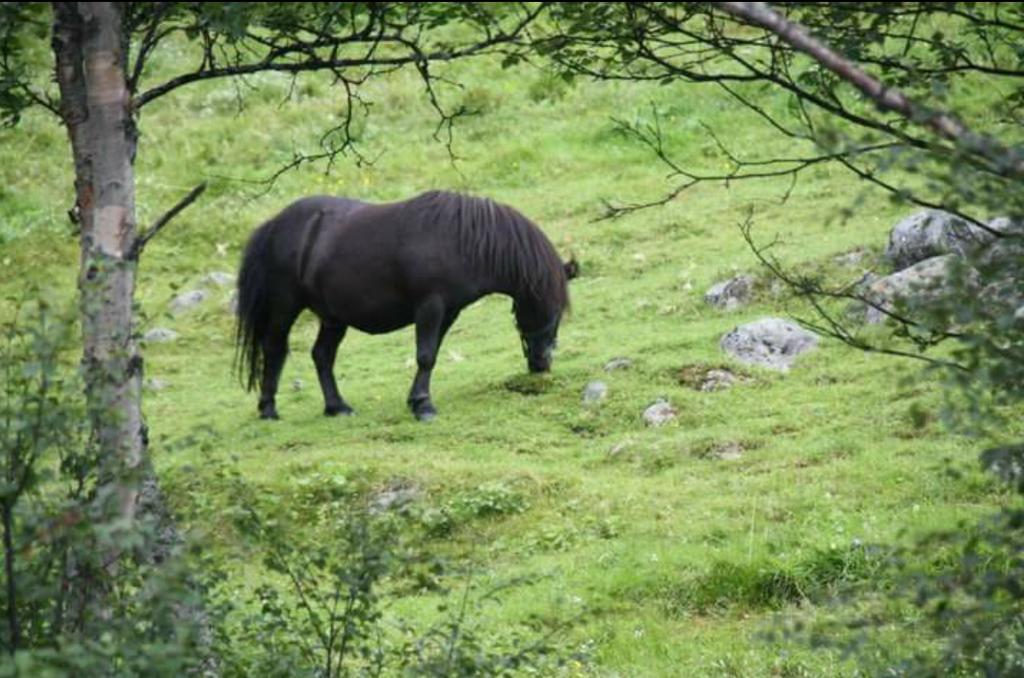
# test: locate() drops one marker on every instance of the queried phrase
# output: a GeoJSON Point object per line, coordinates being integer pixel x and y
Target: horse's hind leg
{"type": "Point", "coordinates": [324, 352]}
{"type": "Point", "coordinates": [432, 322]}
{"type": "Point", "coordinates": [275, 351]}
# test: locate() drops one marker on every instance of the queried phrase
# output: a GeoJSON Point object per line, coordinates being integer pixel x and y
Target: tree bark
{"type": "Point", "coordinates": [89, 45]}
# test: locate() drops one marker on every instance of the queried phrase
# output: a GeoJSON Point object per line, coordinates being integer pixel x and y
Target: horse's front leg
{"type": "Point", "coordinates": [432, 322]}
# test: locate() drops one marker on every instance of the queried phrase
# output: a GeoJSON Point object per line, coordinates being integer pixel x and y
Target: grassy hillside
{"type": "Point", "coordinates": [658, 557]}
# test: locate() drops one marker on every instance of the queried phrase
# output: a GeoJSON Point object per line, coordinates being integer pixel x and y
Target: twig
{"type": "Point", "coordinates": [1002, 160]}
{"type": "Point", "coordinates": [142, 240]}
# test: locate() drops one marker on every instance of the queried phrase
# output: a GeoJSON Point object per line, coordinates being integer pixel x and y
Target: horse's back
{"type": "Point", "coordinates": [372, 268]}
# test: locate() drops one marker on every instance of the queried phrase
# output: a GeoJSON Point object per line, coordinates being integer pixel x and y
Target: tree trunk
{"type": "Point", "coordinates": [90, 49]}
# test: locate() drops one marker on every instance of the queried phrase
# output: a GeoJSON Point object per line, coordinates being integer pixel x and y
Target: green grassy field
{"type": "Point", "coordinates": [650, 554]}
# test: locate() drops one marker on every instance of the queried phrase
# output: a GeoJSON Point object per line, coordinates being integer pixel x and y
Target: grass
{"type": "Point", "coordinates": [661, 558]}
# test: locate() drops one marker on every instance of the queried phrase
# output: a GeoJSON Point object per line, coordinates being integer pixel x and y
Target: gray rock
{"type": "Point", "coordinates": [851, 258]}
{"type": "Point", "coordinates": [297, 384]}
{"type": "Point", "coordinates": [1004, 298]}
{"type": "Point", "coordinates": [618, 448]}
{"type": "Point", "coordinates": [395, 497]}
{"type": "Point", "coordinates": [594, 392]}
{"type": "Point", "coordinates": [708, 378]}
{"type": "Point", "coordinates": [186, 301]}
{"type": "Point", "coordinates": [865, 282]}
{"type": "Point", "coordinates": [718, 380]}
{"type": "Point", "coordinates": [728, 451]}
{"type": "Point", "coordinates": [1000, 266]}
{"type": "Point", "coordinates": [731, 293]}
{"type": "Point", "coordinates": [233, 304]}
{"type": "Point", "coordinates": [159, 335]}
{"type": "Point", "coordinates": [218, 279]}
{"type": "Point", "coordinates": [659, 413]}
{"type": "Point", "coordinates": [618, 364]}
{"type": "Point", "coordinates": [154, 384]}
{"type": "Point", "coordinates": [770, 342]}
{"type": "Point", "coordinates": [1004, 250]}
{"type": "Point", "coordinates": [932, 233]}
{"type": "Point", "coordinates": [917, 286]}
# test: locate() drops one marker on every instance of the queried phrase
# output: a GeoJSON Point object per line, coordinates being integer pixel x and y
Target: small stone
{"type": "Point", "coordinates": [187, 301]}
{"type": "Point", "coordinates": [618, 448]}
{"type": "Point", "coordinates": [659, 413]}
{"type": "Point", "coordinates": [154, 384]}
{"type": "Point", "coordinates": [728, 452]}
{"type": "Point", "coordinates": [218, 279]}
{"type": "Point", "coordinates": [717, 380]}
{"type": "Point", "coordinates": [594, 392]}
{"type": "Point", "coordinates": [851, 258]}
{"type": "Point", "coordinates": [707, 378]}
{"type": "Point", "coordinates": [297, 385]}
{"type": "Point", "coordinates": [395, 497]}
{"type": "Point", "coordinates": [618, 364]}
{"type": "Point", "coordinates": [233, 304]}
{"type": "Point", "coordinates": [159, 335]}
{"type": "Point", "coordinates": [731, 293]}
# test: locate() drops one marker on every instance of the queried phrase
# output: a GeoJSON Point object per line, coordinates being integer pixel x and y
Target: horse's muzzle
{"type": "Point", "coordinates": [541, 363]}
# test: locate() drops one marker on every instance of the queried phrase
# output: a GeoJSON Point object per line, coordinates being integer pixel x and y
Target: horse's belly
{"type": "Point", "coordinates": [379, 325]}
{"type": "Point", "coordinates": [373, 315]}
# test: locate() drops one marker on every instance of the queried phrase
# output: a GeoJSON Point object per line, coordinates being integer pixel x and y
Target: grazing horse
{"type": "Point", "coordinates": [381, 267]}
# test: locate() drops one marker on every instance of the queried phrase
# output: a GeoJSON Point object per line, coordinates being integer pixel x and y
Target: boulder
{"type": "Point", "coordinates": [915, 288]}
{"type": "Point", "coordinates": [770, 342]}
{"type": "Point", "coordinates": [932, 233]}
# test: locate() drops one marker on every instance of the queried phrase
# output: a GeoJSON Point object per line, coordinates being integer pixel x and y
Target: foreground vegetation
{"type": "Point", "coordinates": [639, 549]}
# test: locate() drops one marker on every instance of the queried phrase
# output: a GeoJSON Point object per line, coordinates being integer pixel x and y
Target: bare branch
{"type": "Point", "coordinates": [277, 60]}
{"type": "Point", "coordinates": [150, 233]}
{"type": "Point", "coordinates": [813, 293]}
{"type": "Point", "coordinates": [887, 98]}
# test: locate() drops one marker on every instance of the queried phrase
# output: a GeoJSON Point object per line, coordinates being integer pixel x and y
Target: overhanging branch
{"type": "Point", "coordinates": [150, 233]}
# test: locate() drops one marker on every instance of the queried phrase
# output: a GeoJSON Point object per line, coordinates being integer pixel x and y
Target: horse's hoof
{"type": "Point", "coordinates": [426, 414]}
{"type": "Point", "coordinates": [270, 416]}
{"type": "Point", "coordinates": [334, 411]}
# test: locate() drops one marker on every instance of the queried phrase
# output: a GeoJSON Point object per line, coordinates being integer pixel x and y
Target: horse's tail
{"type": "Point", "coordinates": [253, 312]}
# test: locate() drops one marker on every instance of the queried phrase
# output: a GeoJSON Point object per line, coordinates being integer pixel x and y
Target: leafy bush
{"type": "Point", "coordinates": [79, 595]}
{"type": "Point", "coordinates": [323, 613]}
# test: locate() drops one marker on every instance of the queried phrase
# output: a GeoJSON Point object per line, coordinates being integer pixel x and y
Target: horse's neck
{"type": "Point", "coordinates": [532, 312]}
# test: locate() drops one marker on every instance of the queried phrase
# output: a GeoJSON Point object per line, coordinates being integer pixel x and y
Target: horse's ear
{"type": "Point", "coordinates": [572, 268]}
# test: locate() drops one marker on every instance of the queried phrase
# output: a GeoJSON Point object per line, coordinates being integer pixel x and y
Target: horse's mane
{"type": "Point", "coordinates": [498, 239]}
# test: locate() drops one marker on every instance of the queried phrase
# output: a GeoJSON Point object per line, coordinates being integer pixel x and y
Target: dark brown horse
{"type": "Point", "coordinates": [378, 268]}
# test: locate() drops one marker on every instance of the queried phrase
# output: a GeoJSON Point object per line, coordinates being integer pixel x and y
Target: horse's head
{"type": "Point", "coordinates": [539, 343]}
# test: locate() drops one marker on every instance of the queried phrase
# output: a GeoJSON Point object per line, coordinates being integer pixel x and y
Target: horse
{"type": "Point", "coordinates": [381, 267]}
